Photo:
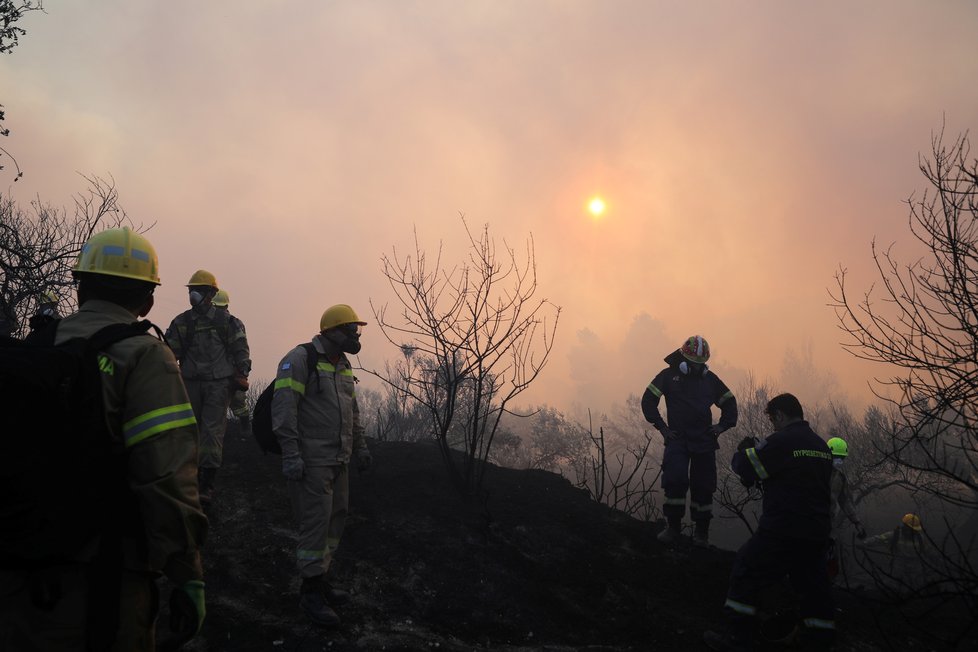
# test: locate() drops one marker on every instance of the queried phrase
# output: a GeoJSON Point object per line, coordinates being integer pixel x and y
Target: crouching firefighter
{"type": "Point", "coordinates": [794, 466]}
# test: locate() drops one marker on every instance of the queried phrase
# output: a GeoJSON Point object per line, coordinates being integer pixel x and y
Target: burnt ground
{"type": "Point", "coordinates": [539, 567]}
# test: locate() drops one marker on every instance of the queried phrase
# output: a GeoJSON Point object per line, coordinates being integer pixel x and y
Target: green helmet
{"type": "Point", "coordinates": [839, 447]}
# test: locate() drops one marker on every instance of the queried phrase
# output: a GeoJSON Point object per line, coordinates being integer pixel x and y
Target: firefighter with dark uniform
{"type": "Point", "coordinates": [239, 397]}
{"type": "Point", "coordinates": [689, 458]}
{"type": "Point", "coordinates": [316, 420]}
{"type": "Point", "coordinates": [214, 361]}
{"type": "Point", "coordinates": [148, 414]}
{"type": "Point", "coordinates": [794, 468]}
{"type": "Point", "coordinates": [47, 311]}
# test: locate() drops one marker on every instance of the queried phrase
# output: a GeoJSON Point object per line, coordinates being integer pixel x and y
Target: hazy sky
{"type": "Point", "coordinates": [745, 150]}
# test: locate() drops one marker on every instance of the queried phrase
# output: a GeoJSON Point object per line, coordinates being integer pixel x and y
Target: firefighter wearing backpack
{"type": "Point", "coordinates": [316, 420]}
{"type": "Point", "coordinates": [212, 349]}
{"type": "Point", "coordinates": [239, 397]}
{"type": "Point", "coordinates": [159, 521]}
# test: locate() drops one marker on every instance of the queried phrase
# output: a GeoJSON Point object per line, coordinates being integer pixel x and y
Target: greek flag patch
{"type": "Point", "coordinates": [285, 366]}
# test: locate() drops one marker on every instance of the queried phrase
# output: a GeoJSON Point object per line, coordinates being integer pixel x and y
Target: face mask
{"type": "Point", "coordinates": [196, 298]}
{"type": "Point", "coordinates": [692, 368]}
{"type": "Point", "coordinates": [837, 462]}
{"type": "Point", "coordinates": [347, 339]}
{"type": "Point", "coordinates": [351, 345]}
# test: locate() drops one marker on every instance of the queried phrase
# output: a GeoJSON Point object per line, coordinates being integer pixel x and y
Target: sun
{"type": "Point", "coordinates": [596, 207]}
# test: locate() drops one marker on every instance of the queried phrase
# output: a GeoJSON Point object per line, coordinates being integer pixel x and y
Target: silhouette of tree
{"type": "Point", "coordinates": [39, 246]}
{"type": "Point", "coordinates": [10, 12]}
{"type": "Point", "coordinates": [478, 337]}
{"type": "Point", "coordinates": [924, 328]}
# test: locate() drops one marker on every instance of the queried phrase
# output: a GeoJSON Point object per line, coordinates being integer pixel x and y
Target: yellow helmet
{"type": "Point", "coordinates": [220, 299]}
{"type": "Point", "coordinates": [839, 447]}
{"type": "Point", "coordinates": [119, 252]}
{"type": "Point", "coordinates": [912, 521]}
{"type": "Point", "coordinates": [202, 277]}
{"type": "Point", "coordinates": [338, 315]}
{"type": "Point", "coordinates": [48, 296]}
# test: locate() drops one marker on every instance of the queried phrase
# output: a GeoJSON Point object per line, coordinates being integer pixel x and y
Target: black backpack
{"type": "Point", "coordinates": [261, 418]}
{"type": "Point", "coordinates": [62, 479]}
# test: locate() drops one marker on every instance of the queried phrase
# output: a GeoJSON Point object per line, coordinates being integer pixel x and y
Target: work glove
{"type": "Point", "coordinates": [747, 442]}
{"type": "Point", "coordinates": [364, 460]}
{"type": "Point", "coordinates": [187, 613]}
{"type": "Point", "coordinates": [668, 434]}
{"type": "Point", "coordinates": [239, 382]}
{"type": "Point", "coordinates": [717, 430]}
{"type": "Point", "coordinates": [293, 468]}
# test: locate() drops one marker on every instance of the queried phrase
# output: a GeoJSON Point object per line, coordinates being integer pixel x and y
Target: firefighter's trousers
{"type": "Point", "coordinates": [695, 472]}
{"type": "Point", "coordinates": [320, 500]}
{"type": "Point", "coordinates": [209, 400]}
{"type": "Point", "coordinates": [765, 560]}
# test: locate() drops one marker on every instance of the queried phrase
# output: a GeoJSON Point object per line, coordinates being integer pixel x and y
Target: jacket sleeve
{"type": "Point", "coordinates": [160, 435]}
{"type": "Point", "coordinates": [727, 403]}
{"type": "Point", "coordinates": [290, 388]}
{"type": "Point", "coordinates": [757, 463]}
{"type": "Point", "coordinates": [238, 347]}
{"type": "Point", "coordinates": [359, 442]}
{"type": "Point", "coordinates": [175, 335]}
{"type": "Point", "coordinates": [650, 402]}
{"type": "Point", "coordinates": [741, 465]}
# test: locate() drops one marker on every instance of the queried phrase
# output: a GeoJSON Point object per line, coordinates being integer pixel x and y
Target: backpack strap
{"type": "Point", "coordinates": [312, 359]}
{"type": "Point", "coordinates": [117, 332]}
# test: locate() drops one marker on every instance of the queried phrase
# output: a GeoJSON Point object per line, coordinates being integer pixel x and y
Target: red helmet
{"type": "Point", "coordinates": [696, 349]}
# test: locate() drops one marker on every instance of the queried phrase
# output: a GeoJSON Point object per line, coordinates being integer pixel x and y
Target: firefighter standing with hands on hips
{"type": "Point", "coordinates": [689, 460]}
{"type": "Point", "coordinates": [316, 419]}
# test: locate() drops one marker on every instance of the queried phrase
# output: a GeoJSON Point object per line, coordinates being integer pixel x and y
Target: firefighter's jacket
{"type": "Point", "coordinates": [147, 410]}
{"type": "Point", "coordinates": [794, 467]}
{"type": "Point", "coordinates": [210, 345]}
{"type": "Point", "coordinates": [315, 412]}
{"type": "Point", "coordinates": [688, 406]}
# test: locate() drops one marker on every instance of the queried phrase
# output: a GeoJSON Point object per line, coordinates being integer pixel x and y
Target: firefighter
{"type": "Point", "coordinates": [316, 420]}
{"type": "Point", "coordinates": [148, 414]}
{"type": "Point", "coordinates": [212, 349]}
{"type": "Point", "coordinates": [239, 397]}
{"type": "Point", "coordinates": [794, 468]}
{"type": "Point", "coordinates": [842, 505]}
{"type": "Point", "coordinates": [905, 537]}
{"type": "Point", "coordinates": [47, 311]}
{"type": "Point", "coordinates": [689, 458]}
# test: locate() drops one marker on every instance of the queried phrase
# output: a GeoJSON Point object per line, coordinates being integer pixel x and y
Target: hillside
{"type": "Point", "coordinates": [541, 567]}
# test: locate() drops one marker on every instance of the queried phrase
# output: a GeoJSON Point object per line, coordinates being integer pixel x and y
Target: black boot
{"type": "Point", "coordinates": [672, 532]}
{"type": "Point", "coordinates": [336, 597]}
{"type": "Point", "coordinates": [312, 600]}
{"type": "Point", "coordinates": [701, 535]}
